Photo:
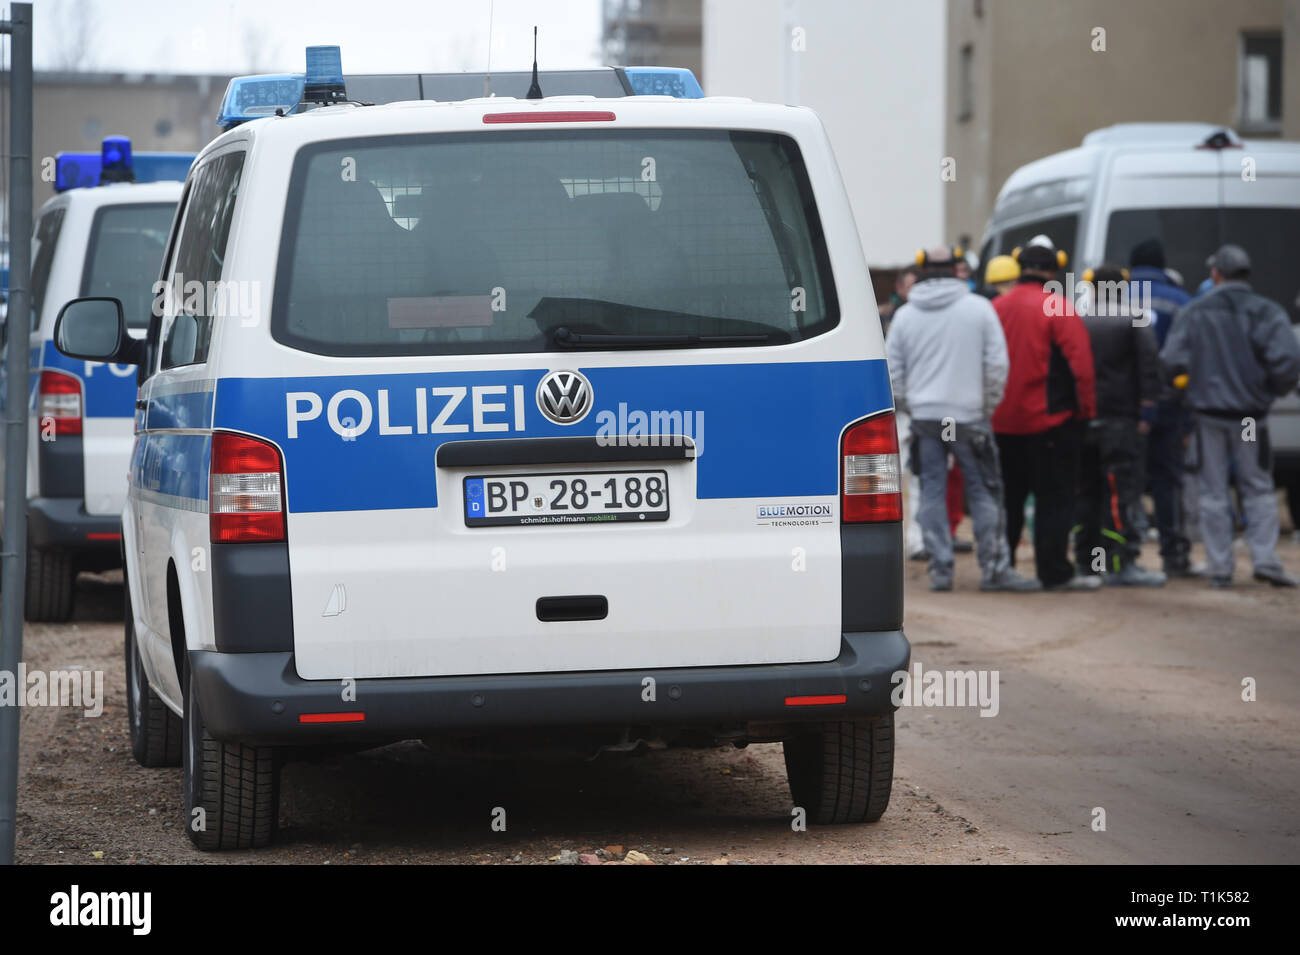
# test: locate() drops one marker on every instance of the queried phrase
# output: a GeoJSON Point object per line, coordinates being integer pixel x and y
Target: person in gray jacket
{"type": "Point", "coordinates": [948, 366]}
{"type": "Point", "coordinates": [1234, 352]}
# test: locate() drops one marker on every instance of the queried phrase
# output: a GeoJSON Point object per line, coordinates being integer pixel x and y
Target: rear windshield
{"type": "Point", "coordinates": [529, 241]}
{"type": "Point", "coordinates": [125, 255]}
{"type": "Point", "coordinates": [1269, 236]}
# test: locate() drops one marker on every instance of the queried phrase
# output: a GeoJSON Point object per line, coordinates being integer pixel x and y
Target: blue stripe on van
{"type": "Point", "coordinates": [110, 389]}
{"type": "Point", "coordinates": [191, 409]}
{"type": "Point", "coordinates": [172, 464]}
{"type": "Point", "coordinates": [769, 430]}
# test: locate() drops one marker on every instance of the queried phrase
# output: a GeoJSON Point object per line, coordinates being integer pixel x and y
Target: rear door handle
{"type": "Point", "coordinates": [553, 609]}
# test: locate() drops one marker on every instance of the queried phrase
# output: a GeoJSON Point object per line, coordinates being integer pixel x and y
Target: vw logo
{"type": "Point", "coordinates": [564, 397]}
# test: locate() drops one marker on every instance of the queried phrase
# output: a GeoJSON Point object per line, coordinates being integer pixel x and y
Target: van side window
{"type": "Point", "coordinates": [1062, 230]}
{"type": "Point", "coordinates": [1190, 233]}
{"type": "Point", "coordinates": [47, 237]}
{"type": "Point", "coordinates": [151, 340]}
{"type": "Point", "coordinates": [196, 286]}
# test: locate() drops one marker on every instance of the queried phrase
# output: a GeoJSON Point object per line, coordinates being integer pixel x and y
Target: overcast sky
{"type": "Point", "coordinates": [376, 36]}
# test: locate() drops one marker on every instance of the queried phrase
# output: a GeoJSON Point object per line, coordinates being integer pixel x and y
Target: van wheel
{"type": "Point", "coordinates": [232, 791]}
{"type": "Point", "coordinates": [50, 580]}
{"type": "Point", "coordinates": [155, 729]}
{"type": "Point", "coordinates": [842, 771]}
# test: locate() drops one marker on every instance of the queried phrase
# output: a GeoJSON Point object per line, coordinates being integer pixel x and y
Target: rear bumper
{"type": "Point", "coordinates": [62, 523]}
{"type": "Point", "coordinates": [258, 697]}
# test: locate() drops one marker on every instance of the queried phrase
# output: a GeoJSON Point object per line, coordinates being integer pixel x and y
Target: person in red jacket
{"type": "Point", "coordinates": [1050, 392]}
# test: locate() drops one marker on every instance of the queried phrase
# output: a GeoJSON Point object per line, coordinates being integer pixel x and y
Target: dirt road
{"type": "Point", "coordinates": [1124, 701]}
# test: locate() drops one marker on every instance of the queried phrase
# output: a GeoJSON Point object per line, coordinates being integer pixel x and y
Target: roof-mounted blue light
{"type": "Point", "coordinates": [255, 97]}
{"type": "Point", "coordinates": [324, 80]}
{"type": "Point", "coordinates": [76, 170]}
{"type": "Point", "coordinates": [115, 160]}
{"type": "Point", "coordinates": [252, 97]}
{"type": "Point", "coordinates": [115, 163]}
{"type": "Point", "coordinates": [663, 81]}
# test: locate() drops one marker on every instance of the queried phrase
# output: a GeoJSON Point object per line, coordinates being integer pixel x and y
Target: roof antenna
{"type": "Point", "coordinates": [534, 91]}
{"type": "Point", "coordinates": [487, 79]}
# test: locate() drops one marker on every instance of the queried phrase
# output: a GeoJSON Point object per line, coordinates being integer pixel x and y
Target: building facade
{"type": "Point", "coordinates": [1025, 79]}
{"type": "Point", "coordinates": [873, 71]}
{"type": "Point", "coordinates": [653, 33]}
{"type": "Point", "coordinates": [75, 111]}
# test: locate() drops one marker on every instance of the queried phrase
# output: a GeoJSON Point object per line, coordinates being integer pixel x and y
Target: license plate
{"type": "Point", "coordinates": [584, 497]}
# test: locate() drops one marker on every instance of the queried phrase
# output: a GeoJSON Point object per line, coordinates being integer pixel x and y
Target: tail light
{"type": "Point", "coordinates": [872, 484]}
{"type": "Point", "coordinates": [245, 490]}
{"type": "Point", "coordinates": [568, 116]}
{"type": "Point", "coordinates": [59, 401]}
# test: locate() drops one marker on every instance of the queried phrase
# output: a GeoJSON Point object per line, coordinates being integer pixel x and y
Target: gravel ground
{"type": "Point", "coordinates": [1124, 700]}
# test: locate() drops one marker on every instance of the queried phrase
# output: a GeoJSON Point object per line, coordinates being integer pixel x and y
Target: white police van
{"type": "Point", "coordinates": [522, 418]}
{"type": "Point", "coordinates": [89, 239]}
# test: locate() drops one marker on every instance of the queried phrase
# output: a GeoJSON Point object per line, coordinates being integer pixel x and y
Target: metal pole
{"type": "Point", "coordinates": [18, 335]}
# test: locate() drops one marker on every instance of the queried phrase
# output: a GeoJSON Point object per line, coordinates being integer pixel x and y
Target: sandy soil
{"type": "Point", "coordinates": [1128, 701]}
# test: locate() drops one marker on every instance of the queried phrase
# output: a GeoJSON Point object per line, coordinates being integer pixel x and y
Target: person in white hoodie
{"type": "Point", "coordinates": [948, 366]}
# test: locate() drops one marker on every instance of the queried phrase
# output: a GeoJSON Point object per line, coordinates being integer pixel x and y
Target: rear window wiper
{"type": "Point", "coordinates": [565, 338]}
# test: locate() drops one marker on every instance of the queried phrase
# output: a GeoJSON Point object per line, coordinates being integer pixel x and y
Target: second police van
{"type": "Point", "coordinates": [525, 419]}
{"type": "Point", "coordinates": [103, 233]}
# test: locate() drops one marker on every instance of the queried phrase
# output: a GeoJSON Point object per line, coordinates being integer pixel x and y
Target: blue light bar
{"type": "Point", "coordinates": [324, 66]}
{"type": "Point", "coordinates": [324, 80]}
{"type": "Point", "coordinates": [115, 159]}
{"type": "Point", "coordinates": [663, 81]}
{"type": "Point", "coordinates": [252, 97]}
{"type": "Point", "coordinates": [79, 170]}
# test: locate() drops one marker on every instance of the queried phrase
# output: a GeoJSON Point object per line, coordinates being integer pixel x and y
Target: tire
{"type": "Point", "coordinates": [50, 580]}
{"type": "Point", "coordinates": [236, 786]}
{"type": "Point", "coordinates": [842, 772]}
{"type": "Point", "coordinates": [156, 732]}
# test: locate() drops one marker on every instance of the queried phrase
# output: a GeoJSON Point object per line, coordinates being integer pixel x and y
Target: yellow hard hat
{"type": "Point", "coordinates": [1001, 268]}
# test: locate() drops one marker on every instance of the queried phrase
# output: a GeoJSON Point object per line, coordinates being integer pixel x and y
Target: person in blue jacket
{"type": "Point", "coordinates": [1168, 422]}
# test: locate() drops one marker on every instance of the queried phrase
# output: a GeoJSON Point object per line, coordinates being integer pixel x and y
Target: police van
{"type": "Point", "coordinates": [516, 418]}
{"type": "Point", "coordinates": [1195, 186]}
{"type": "Point", "coordinates": [90, 239]}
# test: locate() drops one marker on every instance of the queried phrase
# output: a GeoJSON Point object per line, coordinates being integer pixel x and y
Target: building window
{"type": "Point", "coordinates": [966, 83]}
{"type": "Point", "coordinates": [1260, 107]}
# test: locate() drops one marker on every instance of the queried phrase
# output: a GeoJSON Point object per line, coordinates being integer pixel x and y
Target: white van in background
{"type": "Point", "coordinates": [90, 239]}
{"type": "Point", "coordinates": [1195, 186]}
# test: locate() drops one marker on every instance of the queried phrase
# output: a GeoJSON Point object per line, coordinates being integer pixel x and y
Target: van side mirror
{"type": "Point", "coordinates": [95, 329]}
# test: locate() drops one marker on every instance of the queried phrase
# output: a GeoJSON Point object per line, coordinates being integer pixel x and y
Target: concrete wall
{"type": "Point", "coordinates": [1041, 86]}
{"type": "Point", "coordinates": [652, 33]}
{"type": "Point", "coordinates": [1291, 70]}
{"type": "Point", "coordinates": [73, 112]}
{"type": "Point", "coordinates": [874, 73]}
